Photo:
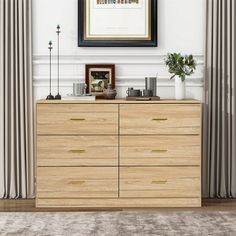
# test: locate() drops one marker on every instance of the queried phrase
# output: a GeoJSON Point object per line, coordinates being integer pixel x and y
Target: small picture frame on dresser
{"type": "Point", "coordinates": [98, 77]}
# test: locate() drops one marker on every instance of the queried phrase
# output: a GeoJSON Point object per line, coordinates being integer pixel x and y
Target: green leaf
{"type": "Point", "coordinates": [180, 65]}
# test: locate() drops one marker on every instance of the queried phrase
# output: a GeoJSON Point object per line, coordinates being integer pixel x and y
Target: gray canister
{"type": "Point", "coordinates": [78, 89]}
{"type": "Point", "coordinates": [151, 84]}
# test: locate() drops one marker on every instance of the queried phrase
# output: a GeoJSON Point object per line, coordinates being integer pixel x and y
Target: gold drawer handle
{"type": "Point", "coordinates": [76, 182]}
{"type": "Point", "coordinates": [160, 150]}
{"type": "Point", "coordinates": [159, 182]}
{"type": "Point", "coordinates": [77, 151]}
{"type": "Point", "coordinates": [159, 119]}
{"type": "Point", "coordinates": [77, 119]}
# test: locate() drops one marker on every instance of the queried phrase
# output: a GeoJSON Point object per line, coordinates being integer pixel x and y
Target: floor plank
{"type": "Point", "coordinates": [29, 206]}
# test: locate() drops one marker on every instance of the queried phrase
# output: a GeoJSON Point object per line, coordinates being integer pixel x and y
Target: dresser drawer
{"type": "Point", "coordinates": [77, 182]}
{"type": "Point", "coordinates": [77, 150]}
{"type": "Point", "coordinates": [79, 119]}
{"type": "Point", "coordinates": [151, 182]}
{"type": "Point", "coordinates": [160, 150]}
{"type": "Point", "coordinates": [160, 119]}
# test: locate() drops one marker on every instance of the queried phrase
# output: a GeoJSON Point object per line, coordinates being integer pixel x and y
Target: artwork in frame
{"type": "Point", "coordinates": [117, 23]}
{"type": "Point", "coordinates": [98, 77]}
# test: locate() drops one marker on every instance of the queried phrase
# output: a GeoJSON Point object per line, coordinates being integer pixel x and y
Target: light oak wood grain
{"type": "Point", "coordinates": [157, 182]}
{"type": "Point", "coordinates": [160, 150]}
{"type": "Point", "coordinates": [118, 154]}
{"type": "Point", "coordinates": [77, 151]}
{"type": "Point", "coordinates": [77, 119]}
{"type": "Point", "coordinates": [119, 101]}
{"type": "Point", "coordinates": [77, 182]}
{"type": "Point", "coordinates": [160, 119]}
{"type": "Point", "coordinates": [120, 203]}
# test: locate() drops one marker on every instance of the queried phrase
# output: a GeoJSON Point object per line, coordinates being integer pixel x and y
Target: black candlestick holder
{"type": "Point", "coordinates": [58, 96]}
{"type": "Point", "coordinates": [50, 96]}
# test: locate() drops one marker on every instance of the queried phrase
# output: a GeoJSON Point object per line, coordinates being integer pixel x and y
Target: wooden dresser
{"type": "Point", "coordinates": [118, 154]}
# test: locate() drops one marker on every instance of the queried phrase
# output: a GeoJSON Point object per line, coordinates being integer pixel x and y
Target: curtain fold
{"type": "Point", "coordinates": [16, 100]}
{"type": "Point", "coordinates": [219, 120]}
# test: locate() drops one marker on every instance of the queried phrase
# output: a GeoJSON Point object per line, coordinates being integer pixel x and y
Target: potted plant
{"type": "Point", "coordinates": [180, 66]}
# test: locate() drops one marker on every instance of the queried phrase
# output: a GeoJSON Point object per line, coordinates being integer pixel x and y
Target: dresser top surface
{"type": "Point", "coordinates": [118, 101]}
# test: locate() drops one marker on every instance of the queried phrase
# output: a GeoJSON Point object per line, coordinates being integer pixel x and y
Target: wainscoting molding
{"type": "Point", "coordinates": [130, 71]}
{"type": "Point", "coordinates": [42, 81]}
{"type": "Point", "coordinates": [135, 59]}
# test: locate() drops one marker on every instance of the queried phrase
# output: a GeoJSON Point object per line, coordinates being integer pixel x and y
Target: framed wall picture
{"type": "Point", "coordinates": [117, 23]}
{"type": "Point", "coordinates": [98, 77]}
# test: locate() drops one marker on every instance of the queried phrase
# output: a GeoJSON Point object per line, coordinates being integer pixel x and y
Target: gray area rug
{"type": "Point", "coordinates": [118, 223]}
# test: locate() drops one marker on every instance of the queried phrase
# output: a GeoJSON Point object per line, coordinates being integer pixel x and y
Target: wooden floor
{"type": "Point", "coordinates": [29, 206]}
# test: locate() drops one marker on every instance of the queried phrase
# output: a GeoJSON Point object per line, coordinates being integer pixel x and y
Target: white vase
{"type": "Point", "coordinates": [179, 88]}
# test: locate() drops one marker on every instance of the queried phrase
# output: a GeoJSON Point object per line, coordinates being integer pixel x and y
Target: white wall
{"type": "Point", "coordinates": [180, 29]}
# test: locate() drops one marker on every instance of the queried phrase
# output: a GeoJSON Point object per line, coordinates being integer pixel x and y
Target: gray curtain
{"type": "Point", "coordinates": [16, 113]}
{"type": "Point", "coordinates": [219, 125]}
